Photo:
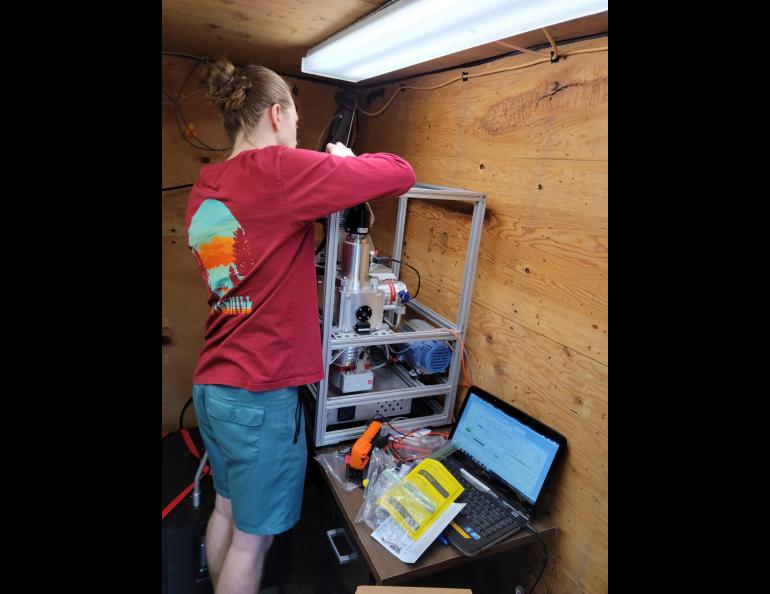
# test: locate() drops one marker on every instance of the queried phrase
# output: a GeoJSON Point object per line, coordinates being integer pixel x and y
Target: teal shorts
{"type": "Point", "coordinates": [255, 462]}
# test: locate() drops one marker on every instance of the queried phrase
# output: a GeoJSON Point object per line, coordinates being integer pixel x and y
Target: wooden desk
{"type": "Point", "coordinates": [385, 567]}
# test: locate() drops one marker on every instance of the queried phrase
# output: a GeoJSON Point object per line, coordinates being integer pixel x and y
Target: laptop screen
{"type": "Point", "coordinates": [499, 443]}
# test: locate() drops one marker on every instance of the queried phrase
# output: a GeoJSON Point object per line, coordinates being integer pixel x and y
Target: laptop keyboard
{"type": "Point", "coordinates": [482, 516]}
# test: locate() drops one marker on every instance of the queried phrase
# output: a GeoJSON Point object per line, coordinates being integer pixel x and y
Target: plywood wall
{"type": "Point", "coordinates": [184, 294]}
{"type": "Point", "coordinates": [534, 140]}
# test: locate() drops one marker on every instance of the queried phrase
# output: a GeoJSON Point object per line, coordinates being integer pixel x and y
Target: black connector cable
{"type": "Point", "coordinates": [545, 556]}
{"type": "Point", "coordinates": [384, 418]}
{"type": "Point", "coordinates": [322, 245]}
{"type": "Point", "coordinates": [177, 187]}
{"type": "Point", "coordinates": [181, 416]}
{"type": "Point", "coordinates": [417, 292]}
{"type": "Point", "coordinates": [203, 59]}
{"type": "Point", "coordinates": [395, 453]}
{"type": "Point", "coordinates": [179, 114]}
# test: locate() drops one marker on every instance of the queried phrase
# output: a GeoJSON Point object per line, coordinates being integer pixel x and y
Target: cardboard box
{"type": "Point", "coordinates": [408, 590]}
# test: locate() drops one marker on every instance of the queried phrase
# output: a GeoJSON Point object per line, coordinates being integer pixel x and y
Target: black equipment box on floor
{"type": "Point", "coordinates": [184, 528]}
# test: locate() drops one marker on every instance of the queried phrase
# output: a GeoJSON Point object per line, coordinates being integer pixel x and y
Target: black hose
{"type": "Point", "coordinates": [181, 416]}
{"type": "Point", "coordinates": [177, 187]}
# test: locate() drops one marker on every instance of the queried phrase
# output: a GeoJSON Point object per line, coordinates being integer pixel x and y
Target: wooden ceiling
{"type": "Point", "coordinates": [278, 33]}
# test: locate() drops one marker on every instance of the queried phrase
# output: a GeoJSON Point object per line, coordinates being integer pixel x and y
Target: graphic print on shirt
{"type": "Point", "coordinates": [219, 244]}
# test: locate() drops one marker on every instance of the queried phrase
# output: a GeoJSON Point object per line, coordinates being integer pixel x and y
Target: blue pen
{"type": "Point", "coordinates": [442, 539]}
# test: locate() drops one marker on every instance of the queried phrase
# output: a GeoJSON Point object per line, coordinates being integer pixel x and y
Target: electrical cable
{"type": "Point", "coordinates": [181, 416]}
{"type": "Point", "coordinates": [179, 126]}
{"type": "Point", "coordinates": [178, 108]}
{"type": "Point", "coordinates": [203, 59]}
{"type": "Point", "coordinates": [554, 47]}
{"type": "Point", "coordinates": [186, 96]}
{"type": "Point", "coordinates": [545, 556]}
{"type": "Point", "coordinates": [589, 50]}
{"type": "Point", "coordinates": [355, 140]}
{"type": "Point", "coordinates": [417, 292]}
{"type": "Point", "coordinates": [337, 116]}
{"type": "Point", "coordinates": [337, 356]}
{"type": "Point", "coordinates": [462, 356]}
{"type": "Point", "coordinates": [195, 135]}
{"type": "Point", "coordinates": [468, 371]}
{"type": "Point", "coordinates": [350, 130]}
{"type": "Point", "coordinates": [479, 74]}
{"type": "Point", "coordinates": [384, 418]}
{"type": "Point", "coordinates": [177, 187]}
{"type": "Point", "coordinates": [209, 62]}
{"type": "Point", "coordinates": [519, 48]}
{"type": "Point", "coordinates": [401, 352]}
{"type": "Point", "coordinates": [384, 352]}
{"type": "Point", "coordinates": [179, 114]}
{"type": "Point", "coordinates": [399, 443]}
{"type": "Point", "coordinates": [189, 74]}
{"type": "Point", "coordinates": [323, 242]}
{"type": "Point", "coordinates": [187, 140]}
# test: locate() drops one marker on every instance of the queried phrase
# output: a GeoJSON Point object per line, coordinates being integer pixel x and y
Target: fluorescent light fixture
{"type": "Point", "coordinates": [408, 32]}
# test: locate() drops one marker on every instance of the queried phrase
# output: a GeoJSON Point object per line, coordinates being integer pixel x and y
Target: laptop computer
{"type": "Point", "coordinates": [504, 458]}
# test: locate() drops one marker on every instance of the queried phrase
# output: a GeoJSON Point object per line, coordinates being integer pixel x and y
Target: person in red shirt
{"type": "Point", "coordinates": [250, 224]}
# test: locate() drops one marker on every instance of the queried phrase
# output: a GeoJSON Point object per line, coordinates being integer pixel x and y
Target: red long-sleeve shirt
{"type": "Point", "coordinates": [250, 227]}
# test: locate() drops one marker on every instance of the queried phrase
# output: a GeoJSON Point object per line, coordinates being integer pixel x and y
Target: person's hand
{"type": "Point", "coordinates": [339, 150]}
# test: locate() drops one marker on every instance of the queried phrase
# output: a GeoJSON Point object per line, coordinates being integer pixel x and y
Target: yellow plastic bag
{"type": "Point", "coordinates": [421, 497]}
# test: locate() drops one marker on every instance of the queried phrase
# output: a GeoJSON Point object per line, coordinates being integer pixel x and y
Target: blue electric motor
{"type": "Point", "coordinates": [429, 357]}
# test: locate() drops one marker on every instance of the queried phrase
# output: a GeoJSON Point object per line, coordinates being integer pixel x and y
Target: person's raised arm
{"type": "Point", "coordinates": [316, 184]}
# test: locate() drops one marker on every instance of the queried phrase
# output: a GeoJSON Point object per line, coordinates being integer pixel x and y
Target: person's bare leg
{"type": "Point", "coordinates": [242, 570]}
{"type": "Point", "coordinates": [219, 535]}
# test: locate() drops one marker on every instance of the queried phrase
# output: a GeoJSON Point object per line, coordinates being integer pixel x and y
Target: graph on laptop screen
{"type": "Point", "coordinates": [513, 451]}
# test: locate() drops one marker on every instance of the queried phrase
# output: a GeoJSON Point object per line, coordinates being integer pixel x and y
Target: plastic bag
{"type": "Point", "coordinates": [421, 498]}
{"type": "Point", "coordinates": [415, 445]}
{"type": "Point", "coordinates": [389, 465]}
{"type": "Point", "coordinates": [384, 472]}
{"type": "Point", "coordinates": [405, 500]}
{"type": "Point", "coordinates": [334, 462]}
